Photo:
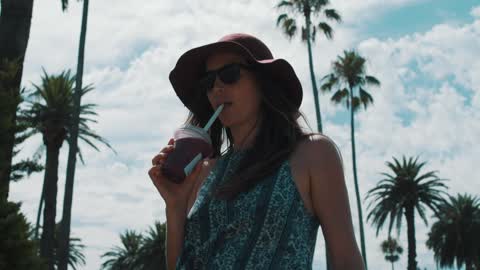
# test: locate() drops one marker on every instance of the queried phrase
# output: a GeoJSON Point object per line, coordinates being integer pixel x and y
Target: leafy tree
{"type": "Point", "coordinates": [17, 250]}
{"type": "Point", "coordinates": [392, 250]}
{"type": "Point", "coordinates": [307, 10]}
{"type": "Point", "coordinates": [349, 79]}
{"type": "Point", "coordinates": [51, 114]}
{"type": "Point", "coordinates": [399, 194]}
{"type": "Point", "coordinates": [455, 236]}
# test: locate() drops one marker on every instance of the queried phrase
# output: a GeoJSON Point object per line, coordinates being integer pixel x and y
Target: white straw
{"type": "Point", "coordinates": [214, 116]}
{"type": "Point", "coordinates": [189, 168]}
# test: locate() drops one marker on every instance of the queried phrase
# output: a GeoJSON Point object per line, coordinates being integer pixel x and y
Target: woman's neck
{"type": "Point", "coordinates": [244, 135]}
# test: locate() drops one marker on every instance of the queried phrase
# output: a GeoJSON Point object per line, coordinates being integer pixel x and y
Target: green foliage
{"type": "Point", "coordinates": [307, 10]}
{"type": "Point", "coordinates": [9, 100]}
{"type": "Point", "coordinates": [455, 236]}
{"type": "Point", "coordinates": [138, 252]}
{"type": "Point", "coordinates": [125, 257]}
{"type": "Point", "coordinates": [25, 167]}
{"type": "Point", "coordinates": [51, 107]}
{"type": "Point", "coordinates": [349, 80]}
{"type": "Point", "coordinates": [405, 188]}
{"type": "Point", "coordinates": [75, 252]}
{"type": "Point", "coordinates": [400, 194]}
{"type": "Point", "coordinates": [392, 249]}
{"type": "Point", "coordinates": [17, 250]}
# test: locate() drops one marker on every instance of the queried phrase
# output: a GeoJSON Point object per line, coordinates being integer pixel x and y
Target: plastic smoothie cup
{"type": "Point", "coordinates": [191, 144]}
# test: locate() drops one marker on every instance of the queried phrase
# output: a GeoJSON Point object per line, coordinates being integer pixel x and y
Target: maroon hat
{"type": "Point", "coordinates": [191, 66]}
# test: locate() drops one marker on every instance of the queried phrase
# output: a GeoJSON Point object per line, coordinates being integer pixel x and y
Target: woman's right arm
{"type": "Point", "coordinates": [176, 197]}
{"type": "Point", "coordinates": [176, 218]}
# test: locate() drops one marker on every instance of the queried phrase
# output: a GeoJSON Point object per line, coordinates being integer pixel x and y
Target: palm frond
{"type": "Point", "coordinates": [341, 96]}
{"type": "Point", "coordinates": [285, 4]}
{"type": "Point", "coordinates": [372, 81]}
{"type": "Point", "coordinates": [281, 18]}
{"type": "Point", "coordinates": [326, 29]}
{"type": "Point", "coordinates": [288, 25]}
{"type": "Point", "coordinates": [331, 81]}
{"type": "Point", "coordinates": [332, 14]}
{"type": "Point", "coordinates": [365, 98]}
{"type": "Point", "coordinates": [403, 190]}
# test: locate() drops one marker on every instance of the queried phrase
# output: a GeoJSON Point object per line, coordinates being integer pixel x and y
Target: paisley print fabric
{"type": "Point", "coordinates": [267, 227]}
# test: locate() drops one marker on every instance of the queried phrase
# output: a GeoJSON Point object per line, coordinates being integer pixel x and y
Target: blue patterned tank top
{"type": "Point", "coordinates": [267, 227]}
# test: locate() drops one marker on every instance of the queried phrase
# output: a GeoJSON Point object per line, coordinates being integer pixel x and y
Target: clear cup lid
{"type": "Point", "coordinates": [202, 133]}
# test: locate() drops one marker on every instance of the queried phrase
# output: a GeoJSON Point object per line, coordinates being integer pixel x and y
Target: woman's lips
{"type": "Point", "coordinates": [226, 104]}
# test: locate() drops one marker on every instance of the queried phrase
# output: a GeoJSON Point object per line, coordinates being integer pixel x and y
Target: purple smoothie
{"type": "Point", "coordinates": [184, 152]}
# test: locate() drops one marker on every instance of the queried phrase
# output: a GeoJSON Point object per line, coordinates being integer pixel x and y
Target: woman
{"type": "Point", "coordinates": [259, 204]}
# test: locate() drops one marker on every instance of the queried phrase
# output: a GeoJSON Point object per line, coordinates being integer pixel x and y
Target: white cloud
{"type": "Point", "coordinates": [130, 52]}
{"type": "Point", "coordinates": [442, 124]}
{"type": "Point", "coordinates": [475, 11]}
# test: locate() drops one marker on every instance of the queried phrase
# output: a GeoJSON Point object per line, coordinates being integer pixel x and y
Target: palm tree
{"type": "Point", "coordinates": [349, 81]}
{"type": "Point", "coordinates": [392, 250]}
{"type": "Point", "coordinates": [456, 233]}
{"type": "Point", "coordinates": [51, 115]}
{"type": "Point", "coordinates": [139, 252]}
{"type": "Point", "coordinates": [152, 252]}
{"type": "Point", "coordinates": [75, 255]}
{"type": "Point", "coordinates": [64, 235]}
{"type": "Point", "coordinates": [401, 193]}
{"type": "Point", "coordinates": [308, 9]}
{"type": "Point", "coordinates": [127, 256]}
{"type": "Point", "coordinates": [15, 23]}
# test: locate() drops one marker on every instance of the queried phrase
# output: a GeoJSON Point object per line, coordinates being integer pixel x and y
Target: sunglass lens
{"type": "Point", "coordinates": [230, 74]}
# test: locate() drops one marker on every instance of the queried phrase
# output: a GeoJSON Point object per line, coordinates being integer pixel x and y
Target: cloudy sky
{"type": "Point", "coordinates": [423, 51]}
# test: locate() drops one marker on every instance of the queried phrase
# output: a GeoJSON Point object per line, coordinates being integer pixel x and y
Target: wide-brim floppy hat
{"type": "Point", "coordinates": [191, 66]}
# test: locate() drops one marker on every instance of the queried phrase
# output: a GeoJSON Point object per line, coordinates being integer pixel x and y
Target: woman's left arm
{"type": "Point", "coordinates": [331, 205]}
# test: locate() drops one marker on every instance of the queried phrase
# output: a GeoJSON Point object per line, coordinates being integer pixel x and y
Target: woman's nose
{"type": "Point", "coordinates": [217, 90]}
{"type": "Point", "coordinates": [218, 86]}
{"type": "Point", "coordinates": [218, 83]}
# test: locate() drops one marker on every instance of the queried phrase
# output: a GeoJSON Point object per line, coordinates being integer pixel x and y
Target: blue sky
{"type": "Point", "coordinates": [418, 16]}
{"type": "Point", "coordinates": [428, 104]}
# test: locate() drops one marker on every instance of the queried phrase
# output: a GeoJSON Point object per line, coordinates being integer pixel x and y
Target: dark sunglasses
{"type": "Point", "coordinates": [228, 74]}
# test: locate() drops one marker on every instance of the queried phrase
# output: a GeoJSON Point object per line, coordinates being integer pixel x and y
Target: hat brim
{"type": "Point", "coordinates": [191, 66]}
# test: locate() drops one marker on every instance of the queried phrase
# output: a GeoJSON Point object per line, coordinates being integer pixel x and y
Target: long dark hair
{"type": "Point", "coordinates": [276, 138]}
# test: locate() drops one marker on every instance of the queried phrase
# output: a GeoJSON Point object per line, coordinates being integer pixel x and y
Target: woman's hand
{"type": "Point", "coordinates": [174, 194]}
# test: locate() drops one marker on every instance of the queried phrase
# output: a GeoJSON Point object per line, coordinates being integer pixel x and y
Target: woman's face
{"type": "Point", "coordinates": [244, 94]}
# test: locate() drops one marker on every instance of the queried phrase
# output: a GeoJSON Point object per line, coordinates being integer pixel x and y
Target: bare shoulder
{"type": "Point", "coordinates": [314, 163]}
{"type": "Point", "coordinates": [318, 150]}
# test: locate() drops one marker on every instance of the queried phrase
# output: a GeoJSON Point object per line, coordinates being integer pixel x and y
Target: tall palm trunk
{"type": "Point", "coordinates": [312, 74]}
{"type": "Point", "coordinates": [47, 242]}
{"type": "Point", "coordinates": [315, 97]}
{"type": "Point", "coordinates": [40, 206]}
{"type": "Point", "coordinates": [64, 236]}
{"type": "Point", "coordinates": [412, 252]}
{"type": "Point", "coordinates": [15, 21]}
{"type": "Point", "coordinates": [393, 267]}
{"type": "Point", "coordinates": [355, 179]}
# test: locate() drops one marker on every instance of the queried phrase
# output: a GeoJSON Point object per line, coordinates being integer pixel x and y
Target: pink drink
{"type": "Point", "coordinates": [189, 142]}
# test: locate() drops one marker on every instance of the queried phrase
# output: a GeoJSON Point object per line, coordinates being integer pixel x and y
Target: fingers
{"type": "Point", "coordinates": [154, 172]}
{"type": "Point", "coordinates": [163, 154]}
